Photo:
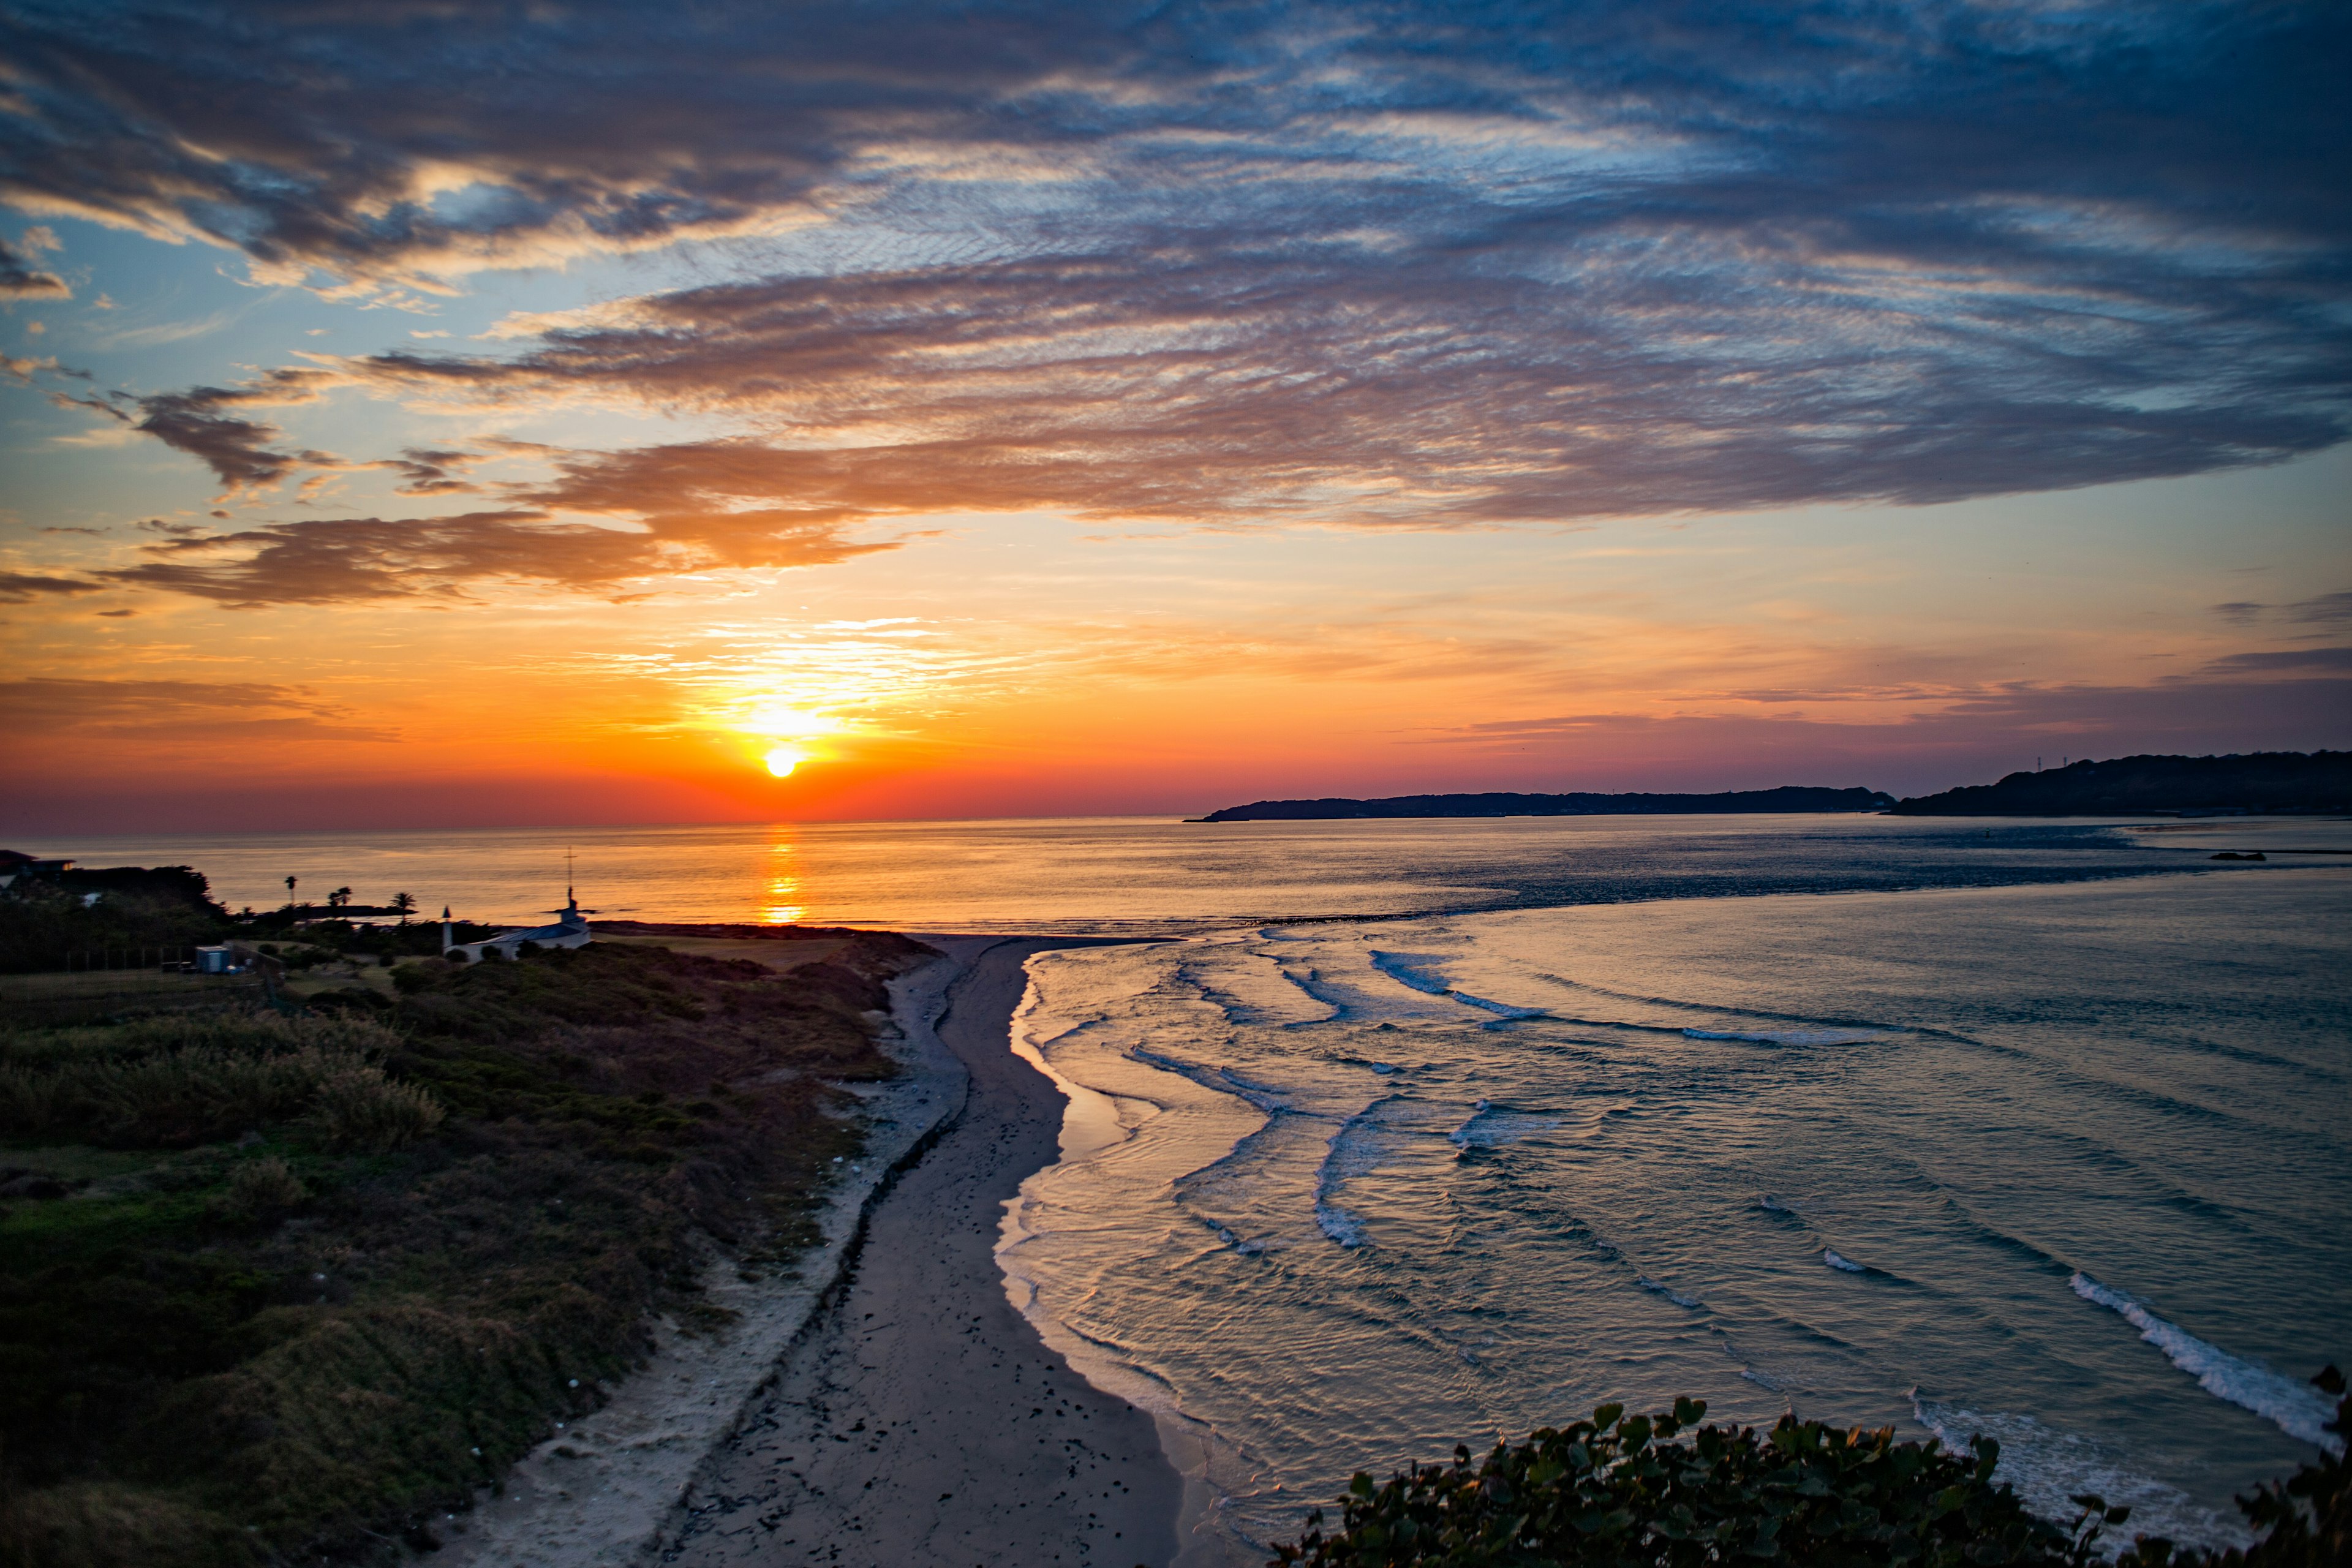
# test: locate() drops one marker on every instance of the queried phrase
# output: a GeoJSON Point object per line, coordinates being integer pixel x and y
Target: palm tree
{"type": "Point", "coordinates": [405, 903]}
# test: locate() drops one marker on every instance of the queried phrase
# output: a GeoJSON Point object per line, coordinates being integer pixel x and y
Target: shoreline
{"type": "Point", "coordinates": [917, 1417]}
{"type": "Point", "coordinates": [603, 1493]}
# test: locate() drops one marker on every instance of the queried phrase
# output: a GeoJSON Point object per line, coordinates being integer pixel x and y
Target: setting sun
{"type": "Point", "coordinates": [784, 760]}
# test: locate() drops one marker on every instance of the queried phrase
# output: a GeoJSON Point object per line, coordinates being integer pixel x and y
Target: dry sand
{"type": "Point", "coordinates": [922, 1421]}
{"type": "Point", "coordinates": [888, 1407]}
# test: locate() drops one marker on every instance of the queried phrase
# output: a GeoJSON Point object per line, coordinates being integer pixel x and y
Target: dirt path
{"type": "Point", "coordinates": [921, 1421]}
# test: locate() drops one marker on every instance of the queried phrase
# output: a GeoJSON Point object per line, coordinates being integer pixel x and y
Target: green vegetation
{"type": "Point", "coordinates": [1617, 1491]}
{"type": "Point", "coordinates": [277, 1286]}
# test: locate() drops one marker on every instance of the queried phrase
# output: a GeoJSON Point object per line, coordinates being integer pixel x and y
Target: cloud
{"type": "Point", "coordinates": [238, 450]}
{"type": "Point", "coordinates": [173, 709]}
{"type": "Point", "coordinates": [2321, 609]}
{"type": "Point", "coordinates": [1967, 735]}
{"type": "Point", "coordinates": [1418, 264]}
{"type": "Point", "coordinates": [2287, 659]}
{"type": "Point", "coordinates": [358, 559]}
{"type": "Point", "coordinates": [18, 587]}
{"type": "Point", "coordinates": [19, 281]}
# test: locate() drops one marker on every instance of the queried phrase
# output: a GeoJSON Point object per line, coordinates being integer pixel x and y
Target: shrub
{"type": "Point", "coordinates": [357, 1110]}
{"type": "Point", "coordinates": [262, 1189]}
{"type": "Point", "coordinates": [1615, 1491]}
{"type": "Point", "coordinates": [179, 1081]}
{"type": "Point", "coordinates": [103, 1525]}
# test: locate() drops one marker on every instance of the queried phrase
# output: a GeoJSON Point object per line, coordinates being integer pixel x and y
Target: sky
{"type": "Point", "coordinates": [422, 415]}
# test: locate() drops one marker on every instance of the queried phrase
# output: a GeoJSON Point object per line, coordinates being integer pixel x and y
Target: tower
{"type": "Point", "coordinates": [448, 939]}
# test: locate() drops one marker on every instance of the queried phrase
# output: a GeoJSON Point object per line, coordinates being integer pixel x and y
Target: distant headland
{"type": "Point", "coordinates": [2259, 782]}
{"type": "Point", "coordinates": [2299, 782]}
{"type": "Point", "coordinates": [1788, 797]}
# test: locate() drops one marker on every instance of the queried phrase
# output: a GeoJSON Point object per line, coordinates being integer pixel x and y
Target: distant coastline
{"type": "Point", "coordinates": [2261, 783]}
{"type": "Point", "coordinates": [1786, 798]}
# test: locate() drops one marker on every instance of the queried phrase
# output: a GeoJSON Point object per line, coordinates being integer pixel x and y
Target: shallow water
{"type": "Point", "coordinates": [2027, 1160]}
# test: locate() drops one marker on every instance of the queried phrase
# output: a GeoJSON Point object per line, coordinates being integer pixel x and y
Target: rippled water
{"type": "Point", "coordinates": [2069, 1164]}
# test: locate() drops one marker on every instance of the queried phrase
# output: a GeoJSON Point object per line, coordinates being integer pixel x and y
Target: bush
{"type": "Point", "coordinates": [1615, 1492]}
{"type": "Point", "coordinates": [358, 1110]}
{"type": "Point", "coordinates": [181, 1081]}
{"type": "Point", "coordinates": [261, 1190]}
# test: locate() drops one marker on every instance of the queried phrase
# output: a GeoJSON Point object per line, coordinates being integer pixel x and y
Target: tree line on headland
{"type": "Point", "coordinates": [2287, 782]}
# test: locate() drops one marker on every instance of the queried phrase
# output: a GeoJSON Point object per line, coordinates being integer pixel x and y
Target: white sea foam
{"type": "Point", "coordinates": [1846, 1265]}
{"type": "Point", "coordinates": [2299, 1410]}
{"type": "Point", "coordinates": [1789, 1037]}
{"type": "Point", "coordinates": [1353, 1151]}
{"type": "Point", "coordinates": [2050, 1468]}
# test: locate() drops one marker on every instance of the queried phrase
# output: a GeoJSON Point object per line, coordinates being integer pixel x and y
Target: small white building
{"type": "Point", "coordinates": [570, 930]}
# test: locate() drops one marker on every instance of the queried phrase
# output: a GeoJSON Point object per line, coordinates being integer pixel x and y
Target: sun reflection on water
{"type": "Point", "coordinates": [782, 903]}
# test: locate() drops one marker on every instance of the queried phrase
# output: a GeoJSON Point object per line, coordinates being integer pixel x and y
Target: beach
{"type": "Point", "coordinates": [920, 1419]}
{"type": "Point", "coordinates": [885, 1405]}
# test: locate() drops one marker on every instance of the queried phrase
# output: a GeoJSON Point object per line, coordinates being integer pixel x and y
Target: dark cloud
{"type": "Point", "coordinates": [199, 423]}
{"type": "Point", "coordinates": [2284, 658]}
{"type": "Point", "coordinates": [1433, 264]}
{"type": "Point", "coordinates": [17, 587]}
{"type": "Point", "coordinates": [317, 563]}
{"type": "Point", "coordinates": [1967, 737]}
{"type": "Point", "coordinates": [173, 709]}
{"type": "Point", "coordinates": [19, 280]}
{"type": "Point", "coordinates": [2320, 610]}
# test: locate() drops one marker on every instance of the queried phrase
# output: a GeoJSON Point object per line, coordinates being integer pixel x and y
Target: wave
{"type": "Point", "coordinates": [1489, 1126]}
{"type": "Point", "coordinates": [2050, 1468]}
{"type": "Point", "coordinates": [1660, 1288]}
{"type": "Point", "coordinates": [1401, 968]}
{"type": "Point", "coordinates": [2297, 1409]}
{"type": "Point", "coordinates": [1346, 1155]}
{"type": "Point", "coordinates": [1224, 1080]}
{"type": "Point", "coordinates": [1789, 1037]}
{"type": "Point", "coordinates": [1845, 1266]}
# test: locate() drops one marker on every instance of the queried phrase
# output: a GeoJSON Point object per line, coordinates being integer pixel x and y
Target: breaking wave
{"type": "Point", "coordinates": [2297, 1409]}
{"type": "Point", "coordinates": [1489, 1126]}
{"type": "Point", "coordinates": [2050, 1468]}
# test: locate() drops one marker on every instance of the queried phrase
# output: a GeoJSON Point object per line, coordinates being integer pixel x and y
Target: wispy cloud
{"type": "Point", "coordinates": [174, 710]}
{"type": "Point", "coordinates": [1416, 265]}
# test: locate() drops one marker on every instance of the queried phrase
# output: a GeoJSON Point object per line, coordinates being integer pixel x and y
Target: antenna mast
{"type": "Point", "coordinates": [569, 897]}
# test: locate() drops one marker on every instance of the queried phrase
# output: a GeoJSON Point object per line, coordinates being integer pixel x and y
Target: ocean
{"type": "Point", "coordinates": [1404, 1134]}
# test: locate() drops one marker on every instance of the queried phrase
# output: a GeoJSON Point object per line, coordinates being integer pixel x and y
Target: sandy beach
{"type": "Point", "coordinates": [885, 1405]}
{"type": "Point", "coordinates": [919, 1420]}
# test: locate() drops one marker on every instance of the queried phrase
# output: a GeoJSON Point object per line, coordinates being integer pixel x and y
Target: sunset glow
{"type": "Point", "coordinates": [1135, 426]}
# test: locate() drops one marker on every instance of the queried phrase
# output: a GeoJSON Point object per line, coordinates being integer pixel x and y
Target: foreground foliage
{"type": "Point", "coordinates": [295, 1287]}
{"type": "Point", "coordinates": [1618, 1491]}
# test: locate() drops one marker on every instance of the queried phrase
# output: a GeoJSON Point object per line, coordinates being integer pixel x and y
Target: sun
{"type": "Point", "coordinates": [784, 760]}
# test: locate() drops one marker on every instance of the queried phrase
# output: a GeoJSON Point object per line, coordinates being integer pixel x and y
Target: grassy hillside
{"type": "Point", "coordinates": [278, 1285]}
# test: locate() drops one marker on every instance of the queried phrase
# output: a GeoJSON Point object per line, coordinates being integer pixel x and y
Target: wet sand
{"type": "Point", "coordinates": [919, 1420]}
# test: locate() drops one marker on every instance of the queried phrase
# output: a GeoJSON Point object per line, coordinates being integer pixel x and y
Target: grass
{"type": "Point", "coordinates": [317, 1280]}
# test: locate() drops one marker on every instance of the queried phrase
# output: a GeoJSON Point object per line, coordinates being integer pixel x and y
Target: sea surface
{"type": "Point", "coordinates": [1394, 1135]}
{"type": "Point", "coordinates": [2067, 1163]}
